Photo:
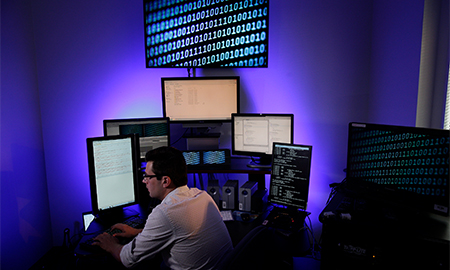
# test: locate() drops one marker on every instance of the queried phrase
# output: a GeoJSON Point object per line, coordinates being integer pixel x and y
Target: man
{"type": "Point", "coordinates": [186, 228]}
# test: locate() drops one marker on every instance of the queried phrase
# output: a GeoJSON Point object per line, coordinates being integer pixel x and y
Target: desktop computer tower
{"type": "Point", "coordinates": [246, 192]}
{"type": "Point", "coordinates": [230, 194]}
{"type": "Point", "coordinates": [214, 190]}
{"type": "Point", "coordinates": [259, 200]}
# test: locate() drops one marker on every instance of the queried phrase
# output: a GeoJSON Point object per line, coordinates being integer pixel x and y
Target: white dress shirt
{"type": "Point", "coordinates": [186, 228]}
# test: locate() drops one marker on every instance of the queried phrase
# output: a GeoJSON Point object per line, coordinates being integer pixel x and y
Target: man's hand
{"type": "Point", "coordinates": [127, 231]}
{"type": "Point", "coordinates": [109, 243]}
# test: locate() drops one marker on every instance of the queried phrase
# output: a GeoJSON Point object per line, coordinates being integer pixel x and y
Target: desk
{"type": "Point", "coordinates": [237, 165]}
{"type": "Point", "coordinates": [98, 226]}
{"type": "Point", "coordinates": [382, 235]}
{"type": "Point", "coordinates": [63, 257]}
{"type": "Point", "coordinates": [236, 229]}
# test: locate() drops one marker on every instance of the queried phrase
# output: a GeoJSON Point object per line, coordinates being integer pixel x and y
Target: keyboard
{"type": "Point", "coordinates": [134, 222]}
{"type": "Point", "coordinates": [227, 215]}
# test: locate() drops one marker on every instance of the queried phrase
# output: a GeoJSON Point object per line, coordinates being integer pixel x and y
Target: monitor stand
{"type": "Point", "coordinates": [261, 163]}
{"type": "Point", "coordinates": [207, 141]}
{"type": "Point", "coordinates": [111, 217]}
{"type": "Point", "coordinates": [200, 137]}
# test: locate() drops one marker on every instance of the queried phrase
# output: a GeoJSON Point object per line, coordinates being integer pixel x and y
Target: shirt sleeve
{"type": "Point", "coordinates": [156, 235]}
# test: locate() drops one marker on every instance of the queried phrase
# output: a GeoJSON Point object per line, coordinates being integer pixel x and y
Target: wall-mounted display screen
{"type": "Point", "coordinates": [206, 33]}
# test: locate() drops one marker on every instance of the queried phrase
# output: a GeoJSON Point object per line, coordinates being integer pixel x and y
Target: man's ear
{"type": "Point", "coordinates": [166, 181]}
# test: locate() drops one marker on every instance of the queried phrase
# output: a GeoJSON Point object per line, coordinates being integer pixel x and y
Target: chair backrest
{"type": "Point", "coordinates": [252, 252]}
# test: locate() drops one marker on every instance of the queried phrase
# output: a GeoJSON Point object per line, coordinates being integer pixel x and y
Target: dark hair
{"type": "Point", "coordinates": [168, 161]}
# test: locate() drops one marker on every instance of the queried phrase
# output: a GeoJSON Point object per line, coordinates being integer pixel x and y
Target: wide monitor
{"type": "Point", "coordinates": [290, 176]}
{"type": "Point", "coordinates": [206, 33]}
{"type": "Point", "coordinates": [200, 99]}
{"type": "Point", "coordinates": [405, 165]}
{"type": "Point", "coordinates": [254, 134]}
{"type": "Point", "coordinates": [113, 174]}
{"type": "Point", "coordinates": [153, 132]}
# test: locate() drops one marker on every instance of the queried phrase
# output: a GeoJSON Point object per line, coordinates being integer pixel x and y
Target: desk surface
{"type": "Point", "coordinates": [236, 229]}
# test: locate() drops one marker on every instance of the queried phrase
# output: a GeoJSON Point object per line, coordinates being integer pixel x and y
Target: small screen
{"type": "Point", "coordinates": [215, 157]}
{"type": "Point", "coordinates": [254, 134]}
{"type": "Point", "coordinates": [192, 157]}
{"type": "Point", "coordinates": [113, 171]}
{"type": "Point", "coordinates": [200, 98]}
{"type": "Point", "coordinates": [88, 217]}
{"type": "Point", "coordinates": [206, 33]}
{"type": "Point", "coordinates": [289, 181]}
{"type": "Point", "coordinates": [153, 132]}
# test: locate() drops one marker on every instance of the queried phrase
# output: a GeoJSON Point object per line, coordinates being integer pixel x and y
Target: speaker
{"type": "Point", "coordinates": [214, 190]}
{"type": "Point", "coordinates": [230, 194]}
{"type": "Point", "coordinates": [246, 192]}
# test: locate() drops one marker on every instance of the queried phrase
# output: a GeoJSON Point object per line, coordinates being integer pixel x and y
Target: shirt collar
{"type": "Point", "coordinates": [176, 191]}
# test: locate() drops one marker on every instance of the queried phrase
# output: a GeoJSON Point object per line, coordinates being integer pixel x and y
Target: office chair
{"type": "Point", "coordinates": [255, 251]}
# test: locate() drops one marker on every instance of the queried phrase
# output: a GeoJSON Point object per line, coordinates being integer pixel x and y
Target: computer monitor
{"type": "Point", "coordinates": [200, 100]}
{"type": "Point", "coordinates": [206, 34]}
{"type": "Point", "coordinates": [254, 134]}
{"type": "Point", "coordinates": [290, 176]}
{"type": "Point", "coordinates": [407, 166]}
{"type": "Point", "coordinates": [113, 174]}
{"type": "Point", "coordinates": [153, 132]}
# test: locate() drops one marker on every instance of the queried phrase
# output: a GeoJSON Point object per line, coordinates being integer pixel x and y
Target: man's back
{"type": "Point", "coordinates": [186, 228]}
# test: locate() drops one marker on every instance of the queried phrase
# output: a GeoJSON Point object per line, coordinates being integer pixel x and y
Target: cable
{"type": "Point", "coordinates": [313, 250]}
{"type": "Point", "coordinates": [179, 138]}
{"type": "Point", "coordinates": [335, 187]}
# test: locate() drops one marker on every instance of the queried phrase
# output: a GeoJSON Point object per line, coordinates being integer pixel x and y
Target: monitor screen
{"type": "Point", "coordinates": [206, 33]}
{"type": "Point", "coordinates": [113, 173]}
{"type": "Point", "coordinates": [254, 134]}
{"type": "Point", "coordinates": [88, 217]}
{"type": "Point", "coordinates": [289, 181]}
{"type": "Point", "coordinates": [407, 165]}
{"type": "Point", "coordinates": [200, 99]}
{"type": "Point", "coordinates": [207, 158]}
{"type": "Point", "coordinates": [153, 132]}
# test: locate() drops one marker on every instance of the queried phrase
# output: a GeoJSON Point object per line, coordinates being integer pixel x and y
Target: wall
{"type": "Point", "coordinates": [395, 61]}
{"type": "Point", "coordinates": [325, 67]}
{"type": "Point", "coordinates": [25, 214]}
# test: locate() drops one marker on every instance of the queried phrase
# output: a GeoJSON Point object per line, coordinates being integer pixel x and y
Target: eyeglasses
{"type": "Point", "coordinates": [148, 177]}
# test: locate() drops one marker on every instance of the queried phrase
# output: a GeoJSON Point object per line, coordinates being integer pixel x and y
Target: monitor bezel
{"type": "Point", "coordinates": [205, 119]}
{"type": "Point", "coordinates": [399, 198]}
{"type": "Point", "coordinates": [145, 119]}
{"type": "Point", "coordinates": [235, 152]}
{"type": "Point", "coordinates": [116, 210]}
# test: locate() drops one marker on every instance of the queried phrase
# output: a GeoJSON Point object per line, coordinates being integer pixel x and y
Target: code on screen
{"type": "Point", "coordinates": [206, 33]}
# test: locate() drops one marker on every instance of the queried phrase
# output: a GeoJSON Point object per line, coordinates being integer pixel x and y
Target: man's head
{"type": "Point", "coordinates": [169, 166]}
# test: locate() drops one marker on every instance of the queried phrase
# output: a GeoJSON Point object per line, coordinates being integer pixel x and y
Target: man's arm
{"type": "Point", "coordinates": [110, 244]}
